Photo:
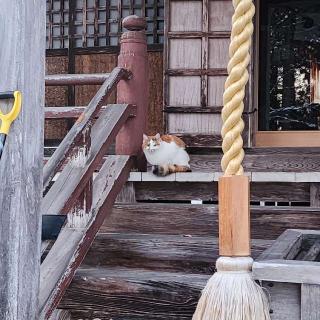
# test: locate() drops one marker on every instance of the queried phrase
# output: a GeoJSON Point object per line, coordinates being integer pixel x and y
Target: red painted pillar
{"type": "Point", "coordinates": [133, 56]}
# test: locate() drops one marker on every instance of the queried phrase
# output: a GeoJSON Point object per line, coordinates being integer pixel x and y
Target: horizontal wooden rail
{"type": "Point", "coordinates": [73, 137]}
{"type": "Point", "coordinates": [75, 79]}
{"type": "Point", "coordinates": [66, 112]}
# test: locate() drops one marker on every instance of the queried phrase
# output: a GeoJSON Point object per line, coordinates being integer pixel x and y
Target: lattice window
{"type": "Point", "coordinates": [57, 24]}
{"type": "Point", "coordinates": [97, 23]}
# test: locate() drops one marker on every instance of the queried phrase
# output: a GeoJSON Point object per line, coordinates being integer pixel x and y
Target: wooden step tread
{"type": "Point", "coordinates": [123, 294]}
{"type": "Point", "coordinates": [174, 253]}
{"type": "Point", "coordinates": [202, 220]}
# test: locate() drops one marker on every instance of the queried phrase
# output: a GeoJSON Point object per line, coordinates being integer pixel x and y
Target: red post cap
{"type": "Point", "coordinates": [134, 23]}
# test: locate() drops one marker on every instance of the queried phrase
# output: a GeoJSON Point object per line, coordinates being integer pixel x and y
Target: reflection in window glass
{"type": "Point", "coordinates": [289, 94]}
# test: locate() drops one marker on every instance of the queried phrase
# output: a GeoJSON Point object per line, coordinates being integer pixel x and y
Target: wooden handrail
{"type": "Point", "coordinates": [74, 135]}
{"type": "Point", "coordinates": [92, 139]}
{"type": "Point", "coordinates": [75, 79]}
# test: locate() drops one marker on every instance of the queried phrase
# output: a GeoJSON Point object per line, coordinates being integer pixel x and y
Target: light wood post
{"type": "Point", "coordinates": [133, 56]}
{"type": "Point", "coordinates": [22, 66]}
{"type": "Point", "coordinates": [234, 216]}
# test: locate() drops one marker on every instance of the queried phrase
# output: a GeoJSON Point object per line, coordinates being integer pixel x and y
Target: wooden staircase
{"type": "Point", "coordinates": [151, 260]}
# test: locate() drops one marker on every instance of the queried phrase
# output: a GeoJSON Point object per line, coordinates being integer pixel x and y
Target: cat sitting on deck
{"type": "Point", "coordinates": [166, 153]}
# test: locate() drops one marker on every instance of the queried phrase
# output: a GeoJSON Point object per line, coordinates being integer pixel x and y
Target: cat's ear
{"type": "Point", "coordinates": [145, 137]}
{"type": "Point", "coordinates": [158, 136]}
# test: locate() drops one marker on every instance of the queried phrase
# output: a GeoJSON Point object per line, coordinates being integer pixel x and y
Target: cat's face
{"type": "Point", "coordinates": [151, 143]}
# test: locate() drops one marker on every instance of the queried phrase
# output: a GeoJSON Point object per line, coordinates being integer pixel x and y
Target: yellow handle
{"type": "Point", "coordinates": [8, 118]}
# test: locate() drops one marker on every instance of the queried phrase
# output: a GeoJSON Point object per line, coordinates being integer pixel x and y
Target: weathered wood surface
{"type": "Point", "coordinates": [61, 315]}
{"type": "Point", "coordinates": [76, 79]}
{"type": "Point", "coordinates": [291, 271]}
{"type": "Point", "coordinates": [71, 182]}
{"type": "Point", "coordinates": [313, 252]}
{"type": "Point", "coordinates": [284, 300]}
{"type": "Point", "coordinates": [70, 248]}
{"type": "Point", "coordinates": [171, 253]}
{"type": "Point", "coordinates": [127, 194]}
{"type": "Point", "coordinates": [310, 297]}
{"type": "Point", "coordinates": [315, 194]}
{"type": "Point", "coordinates": [73, 136]}
{"type": "Point", "coordinates": [202, 220]}
{"type": "Point", "coordinates": [298, 160]}
{"type": "Point", "coordinates": [195, 61]}
{"type": "Point", "coordinates": [133, 294]}
{"type": "Point", "coordinates": [286, 246]}
{"type": "Point", "coordinates": [265, 191]}
{"type": "Point", "coordinates": [63, 112]}
{"type": "Point", "coordinates": [21, 162]}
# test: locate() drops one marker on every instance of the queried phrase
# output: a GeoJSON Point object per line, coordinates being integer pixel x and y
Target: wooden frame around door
{"type": "Point", "coordinates": [273, 138]}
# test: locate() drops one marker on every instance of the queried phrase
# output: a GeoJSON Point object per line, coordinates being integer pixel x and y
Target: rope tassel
{"type": "Point", "coordinates": [231, 293]}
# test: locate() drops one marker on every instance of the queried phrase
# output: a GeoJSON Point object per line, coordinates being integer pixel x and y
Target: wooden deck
{"type": "Point", "coordinates": [150, 261]}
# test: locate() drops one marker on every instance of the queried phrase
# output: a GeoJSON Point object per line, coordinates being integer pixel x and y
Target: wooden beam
{"type": "Point", "coordinates": [76, 79]}
{"type": "Point", "coordinates": [73, 136]}
{"type": "Point", "coordinates": [70, 248]}
{"type": "Point", "coordinates": [202, 220]}
{"type": "Point", "coordinates": [291, 271]}
{"type": "Point", "coordinates": [234, 216]}
{"type": "Point", "coordinates": [22, 64]}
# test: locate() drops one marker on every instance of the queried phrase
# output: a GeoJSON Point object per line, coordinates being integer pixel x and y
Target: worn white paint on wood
{"type": "Point", "coordinates": [184, 91]}
{"type": "Point", "coordinates": [201, 123]}
{"type": "Point", "coordinates": [22, 54]}
{"type": "Point", "coordinates": [215, 90]}
{"type": "Point", "coordinates": [186, 15]}
{"type": "Point", "coordinates": [220, 15]}
{"type": "Point", "coordinates": [185, 54]}
{"type": "Point", "coordinates": [218, 53]}
{"type": "Point", "coordinates": [310, 302]}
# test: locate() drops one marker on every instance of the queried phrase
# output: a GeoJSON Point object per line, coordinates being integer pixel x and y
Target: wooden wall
{"type": "Point", "coordinates": [99, 63]}
{"type": "Point", "coordinates": [197, 36]}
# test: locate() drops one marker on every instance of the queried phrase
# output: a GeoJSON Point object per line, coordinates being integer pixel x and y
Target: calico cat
{"type": "Point", "coordinates": [166, 153]}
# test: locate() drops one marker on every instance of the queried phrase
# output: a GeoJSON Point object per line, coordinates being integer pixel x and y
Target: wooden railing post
{"type": "Point", "coordinates": [133, 56]}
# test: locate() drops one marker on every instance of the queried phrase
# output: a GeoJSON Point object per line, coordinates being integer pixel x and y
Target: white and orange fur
{"type": "Point", "coordinates": [166, 153]}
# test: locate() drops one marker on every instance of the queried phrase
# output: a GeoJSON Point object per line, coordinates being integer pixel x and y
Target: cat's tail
{"type": "Point", "coordinates": [165, 170]}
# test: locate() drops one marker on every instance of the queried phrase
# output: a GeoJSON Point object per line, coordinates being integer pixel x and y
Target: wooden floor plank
{"type": "Point", "coordinates": [67, 253]}
{"type": "Point", "coordinates": [113, 293]}
{"type": "Point", "coordinates": [202, 220]}
{"type": "Point", "coordinates": [172, 253]}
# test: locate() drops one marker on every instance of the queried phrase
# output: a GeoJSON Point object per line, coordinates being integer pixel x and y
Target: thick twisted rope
{"type": "Point", "coordinates": [238, 76]}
